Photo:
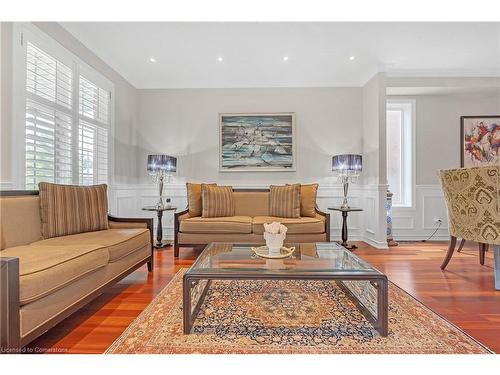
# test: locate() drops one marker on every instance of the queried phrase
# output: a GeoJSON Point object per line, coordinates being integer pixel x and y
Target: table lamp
{"type": "Point", "coordinates": [161, 167]}
{"type": "Point", "coordinates": [348, 167]}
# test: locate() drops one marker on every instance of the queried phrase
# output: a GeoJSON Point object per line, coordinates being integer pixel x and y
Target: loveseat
{"type": "Point", "coordinates": [247, 225]}
{"type": "Point", "coordinates": [43, 281]}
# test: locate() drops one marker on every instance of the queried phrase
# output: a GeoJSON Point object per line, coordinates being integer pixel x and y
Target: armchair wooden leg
{"type": "Point", "coordinates": [176, 250]}
{"type": "Point", "coordinates": [451, 249]}
{"type": "Point", "coordinates": [482, 249]}
{"type": "Point", "coordinates": [461, 246]}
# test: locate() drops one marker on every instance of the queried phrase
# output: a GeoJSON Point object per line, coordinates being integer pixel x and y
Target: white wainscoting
{"type": "Point", "coordinates": [418, 223]}
{"type": "Point", "coordinates": [6, 185]}
{"type": "Point", "coordinates": [374, 216]}
{"type": "Point", "coordinates": [128, 200]}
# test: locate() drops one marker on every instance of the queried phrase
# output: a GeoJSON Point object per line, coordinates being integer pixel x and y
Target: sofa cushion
{"type": "Point", "coordinates": [43, 269]}
{"type": "Point", "coordinates": [194, 198]}
{"type": "Point", "coordinates": [23, 225]}
{"type": "Point", "coordinates": [67, 209]}
{"type": "Point", "coordinates": [251, 203]}
{"type": "Point", "coordinates": [299, 225]}
{"type": "Point", "coordinates": [308, 195]}
{"type": "Point", "coordinates": [231, 224]}
{"type": "Point", "coordinates": [284, 201]}
{"type": "Point", "coordinates": [217, 201]}
{"type": "Point", "coordinates": [119, 242]}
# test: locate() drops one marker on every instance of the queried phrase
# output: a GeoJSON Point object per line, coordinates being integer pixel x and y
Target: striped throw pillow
{"type": "Point", "coordinates": [284, 201]}
{"type": "Point", "coordinates": [217, 201]}
{"type": "Point", "coordinates": [67, 209]}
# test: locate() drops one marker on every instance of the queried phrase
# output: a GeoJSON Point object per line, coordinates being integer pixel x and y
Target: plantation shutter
{"type": "Point", "coordinates": [67, 121]}
{"type": "Point", "coordinates": [93, 132]}
{"type": "Point", "coordinates": [48, 132]}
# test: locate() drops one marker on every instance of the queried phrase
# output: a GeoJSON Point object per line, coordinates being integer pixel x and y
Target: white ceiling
{"type": "Point", "coordinates": [186, 53]}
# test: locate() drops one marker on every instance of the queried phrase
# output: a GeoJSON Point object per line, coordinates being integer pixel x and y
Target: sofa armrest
{"type": "Point", "coordinates": [181, 215]}
{"type": "Point", "coordinates": [327, 222]}
{"type": "Point", "coordinates": [131, 222]}
{"type": "Point", "coordinates": [134, 222]}
{"type": "Point", "coordinates": [10, 331]}
{"type": "Point", "coordinates": [178, 216]}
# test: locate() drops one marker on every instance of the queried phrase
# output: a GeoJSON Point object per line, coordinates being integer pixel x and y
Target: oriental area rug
{"type": "Point", "coordinates": [288, 317]}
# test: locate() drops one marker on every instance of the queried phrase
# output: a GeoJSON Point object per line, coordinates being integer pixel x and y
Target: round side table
{"type": "Point", "coordinates": [344, 212]}
{"type": "Point", "coordinates": [159, 231]}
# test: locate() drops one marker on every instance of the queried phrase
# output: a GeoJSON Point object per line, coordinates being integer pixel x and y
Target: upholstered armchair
{"type": "Point", "coordinates": [472, 198]}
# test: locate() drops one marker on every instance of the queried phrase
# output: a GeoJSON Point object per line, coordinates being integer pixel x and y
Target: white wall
{"type": "Point", "coordinates": [125, 103]}
{"type": "Point", "coordinates": [374, 159]}
{"type": "Point", "coordinates": [184, 122]}
{"type": "Point", "coordinates": [438, 129]}
{"type": "Point", "coordinates": [438, 147]}
{"type": "Point", "coordinates": [329, 121]}
{"type": "Point", "coordinates": [374, 114]}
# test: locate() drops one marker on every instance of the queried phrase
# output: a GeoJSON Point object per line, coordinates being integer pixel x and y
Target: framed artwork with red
{"type": "Point", "coordinates": [480, 140]}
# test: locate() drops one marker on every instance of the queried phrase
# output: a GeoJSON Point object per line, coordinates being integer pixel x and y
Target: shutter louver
{"type": "Point", "coordinates": [102, 156]}
{"type": "Point", "coordinates": [47, 77]}
{"type": "Point", "coordinates": [48, 146]}
{"type": "Point", "coordinates": [92, 154]}
{"type": "Point", "coordinates": [93, 138]}
{"type": "Point", "coordinates": [94, 101]}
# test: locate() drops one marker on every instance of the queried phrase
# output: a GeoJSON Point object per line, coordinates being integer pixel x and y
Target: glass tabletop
{"type": "Point", "coordinates": [325, 258]}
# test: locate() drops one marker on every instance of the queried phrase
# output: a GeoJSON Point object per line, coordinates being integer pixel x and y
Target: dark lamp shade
{"type": "Point", "coordinates": [347, 162]}
{"type": "Point", "coordinates": [162, 163]}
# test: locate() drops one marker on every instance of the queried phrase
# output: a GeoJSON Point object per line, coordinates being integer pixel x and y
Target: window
{"type": "Point", "coordinates": [67, 118]}
{"type": "Point", "coordinates": [400, 151]}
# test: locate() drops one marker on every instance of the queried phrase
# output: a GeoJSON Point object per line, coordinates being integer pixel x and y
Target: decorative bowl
{"type": "Point", "coordinates": [263, 252]}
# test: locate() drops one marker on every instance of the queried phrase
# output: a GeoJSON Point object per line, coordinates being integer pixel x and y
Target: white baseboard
{"type": "Point", "coordinates": [375, 244]}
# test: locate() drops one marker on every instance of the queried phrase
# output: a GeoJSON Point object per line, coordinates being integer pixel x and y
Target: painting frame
{"type": "Point", "coordinates": [225, 168]}
{"type": "Point", "coordinates": [463, 124]}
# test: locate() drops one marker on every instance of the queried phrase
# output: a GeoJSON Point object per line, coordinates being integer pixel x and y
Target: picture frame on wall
{"type": "Point", "coordinates": [257, 142]}
{"type": "Point", "coordinates": [479, 140]}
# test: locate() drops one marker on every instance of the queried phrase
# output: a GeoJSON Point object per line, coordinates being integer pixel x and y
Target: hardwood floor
{"type": "Point", "coordinates": [464, 294]}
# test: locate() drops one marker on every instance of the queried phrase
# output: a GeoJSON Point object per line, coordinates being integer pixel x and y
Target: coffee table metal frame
{"type": "Point", "coordinates": [193, 276]}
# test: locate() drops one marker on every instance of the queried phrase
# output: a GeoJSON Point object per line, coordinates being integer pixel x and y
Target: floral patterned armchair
{"type": "Point", "coordinates": [473, 199]}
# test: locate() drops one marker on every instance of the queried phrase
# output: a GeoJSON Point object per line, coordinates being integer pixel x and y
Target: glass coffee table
{"type": "Point", "coordinates": [363, 284]}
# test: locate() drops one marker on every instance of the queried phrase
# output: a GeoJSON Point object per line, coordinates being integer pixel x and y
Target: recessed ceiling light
{"type": "Point", "coordinates": [219, 59]}
{"type": "Point", "coordinates": [285, 58]}
{"type": "Point", "coordinates": [352, 58]}
{"type": "Point", "coordinates": [152, 59]}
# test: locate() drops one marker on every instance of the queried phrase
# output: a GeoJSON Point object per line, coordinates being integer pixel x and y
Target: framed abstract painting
{"type": "Point", "coordinates": [257, 142]}
{"type": "Point", "coordinates": [479, 140]}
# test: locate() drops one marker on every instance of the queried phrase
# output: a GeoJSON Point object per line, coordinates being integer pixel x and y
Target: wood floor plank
{"type": "Point", "coordinates": [464, 294]}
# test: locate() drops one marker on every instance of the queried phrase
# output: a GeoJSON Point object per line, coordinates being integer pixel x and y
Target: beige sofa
{"type": "Point", "coordinates": [44, 281]}
{"type": "Point", "coordinates": [247, 225]}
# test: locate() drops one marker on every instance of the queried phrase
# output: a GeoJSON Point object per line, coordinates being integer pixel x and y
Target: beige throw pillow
{"type": "Point", "coordinates": [217, 201]}
{"type": "Point", "coordinates": [308, 194]}
{"type": "Point", "coordinates": [68, 209]}
{"type": "Point", "coordinates": [284, 201]}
